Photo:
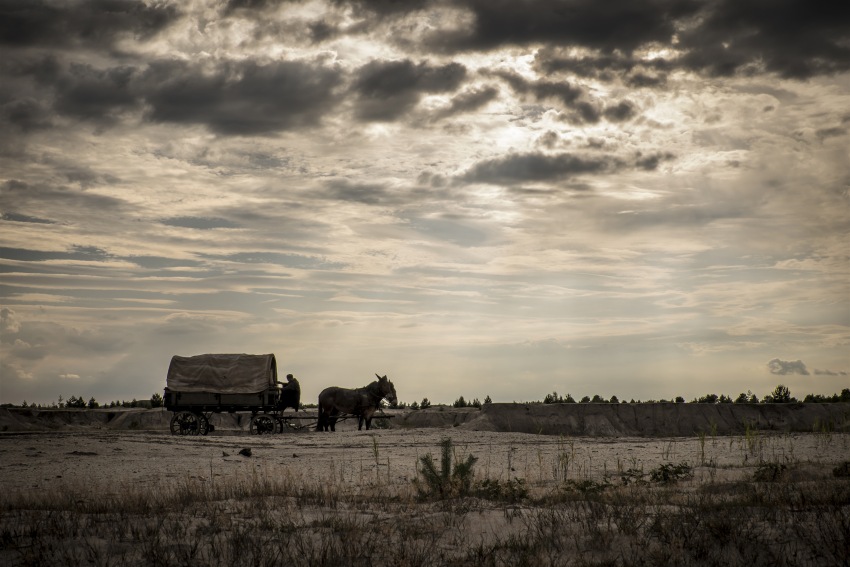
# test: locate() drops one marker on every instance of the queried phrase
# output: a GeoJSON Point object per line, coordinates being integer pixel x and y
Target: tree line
{"type": "Point", "coordinates": [780, 395]}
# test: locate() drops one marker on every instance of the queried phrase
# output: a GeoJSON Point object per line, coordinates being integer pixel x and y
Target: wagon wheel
{"type": "Point", "coordinates": [263, 425]}
{"type": "Point", "coordinates": [280, 424]}
{"type": "Point", "coordinates": [187, 423]}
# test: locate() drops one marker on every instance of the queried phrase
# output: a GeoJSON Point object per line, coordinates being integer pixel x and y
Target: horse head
{"type": "Point", "coordinates": [386, 389]}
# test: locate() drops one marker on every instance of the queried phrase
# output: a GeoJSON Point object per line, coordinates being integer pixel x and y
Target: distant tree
{"type": "Point", "coordinates": [615, 400]}
{"type": "Point", "coordinates": [724, 399]}
{"type": "Point", "coordinates": [742, 398]}
{"type": "Point", "coordinates": [845, 395]}
{"type": "Point", "coordinates": [597, 399]}
{"type": "Point", "coordinates": [75, 402]}
{"type": "Point", "coordinates": [414, 406]}
{"type": "Point", "coordinates": [93, 403]}
{"type": "Point", "coordinates": [156, 400]}
{"type": "Point", "coordinates": [780, 395]}
{"type": "Point", "coordinates": [680, 400]}
{"type": "Point", "coordinates": [488, 400]}
{"type": "Point", "coordinates": [569, 399]}
{"type": "Point", "coordinates": [459, 403]}
{"type": "Point", "coordinates": [585, 400]}
{"type": "Point", "coordinates": [24, 404]}
{"type": "Point", "coordinates": [551, 398]}
{"type": "Point", "coordinates": [707, 399]}
{"type": "Point", "coordinates": [475, 403]}
{"type": "Point", "coordinates": [425, 403]}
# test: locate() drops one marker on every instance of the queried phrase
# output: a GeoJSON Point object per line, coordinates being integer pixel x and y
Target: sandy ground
{"type": "Point", "coordinates": [112, 460]}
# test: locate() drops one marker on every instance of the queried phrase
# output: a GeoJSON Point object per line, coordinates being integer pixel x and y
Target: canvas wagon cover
{"type": "Point", "coordinates": [222, 373]}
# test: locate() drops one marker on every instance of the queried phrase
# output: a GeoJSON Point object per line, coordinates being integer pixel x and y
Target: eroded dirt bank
{"type": "Point", "coordinates": [637, 420]}
{"type": "Point", "coordinates": [594, 420]}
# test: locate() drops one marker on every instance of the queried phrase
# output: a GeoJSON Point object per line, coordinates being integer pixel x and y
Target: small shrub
{"type": "Point", "coordinates": [669, 473]}
{"type": "Point", "coordinates": [512, 490]}
{"type": "Point", "coordinates": [585, 486]}
{"type": "Point", "coordinates": [447, 482]}
{"type": "Point", "coordinates": [842, 470]}
{"type": "Point", "coordinates": [769, 472]}
{"type": "Point", "coordinates": [632, 476]}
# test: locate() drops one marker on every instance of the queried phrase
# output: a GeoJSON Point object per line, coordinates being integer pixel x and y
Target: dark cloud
{"type": "Point", "coordinates": [783, 367]}
{"type": "Point", "coordinates": [200, 223]}
{"type": "Point", "coordinates": [15, 217]}
{"type": "Point", "coordinates": [383, 7]}
{"type": "Point", "coordinates": [93, 23]}
{"type": "Point", "coordinates": [94, 94]}
{"type": "Point", "coordinates": [793, 38]}
{"type": "Point", "coordinates": [531, 167]}
{"type": "Point", "coordinates": [468, 101]}
{"type": "Point", "coordinates": [28, 114]}
{"type": "Point", "coordinates": [603, 66]}
{"type": "Point", "coordinates": [241, 98]}
{"type": "Point", "coordinates": [298, 261]}
{"type": "Point", "coordinates": [572, 98]}
{"type": "Point", "coordinates": [545, 89]}
{"type": "Point", "coordinates": [608, 26]}
{"type": "Point", "coordinates": [365, 193]}
{"type": "Point", "coordinates": [20, 195]}
{"type": "Point", "coordinates": [234, 5]}
{"type": "Point", "coordinates": [825, 133]}
{"type": "Point", "coordinates": [160, 262]}
{"type": "Point", "coordinates": [385, 90]}
{"type": "Point", "coordinates": [75, 252]}
{"type": "Point", "coordinates": [830, 373]}
{"type": "Point", "coordinates": [621, 112]}
{"type": "Point", "coordinates": [652, 161]}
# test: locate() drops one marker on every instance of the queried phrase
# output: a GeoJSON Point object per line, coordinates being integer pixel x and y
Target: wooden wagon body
{"type": "Point", "coordinates": [199, 386]}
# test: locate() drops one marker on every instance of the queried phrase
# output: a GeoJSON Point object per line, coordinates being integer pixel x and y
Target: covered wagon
{"type": "Point", "coordinates": [198, 386]}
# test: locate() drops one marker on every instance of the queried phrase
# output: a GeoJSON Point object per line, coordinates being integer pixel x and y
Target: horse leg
{"type": "Point", "coordinates": [367, 417]}
{"type": "Point", "coordinates": [321, 420]}
{"type": "Point", "coordinates": [332, 418]}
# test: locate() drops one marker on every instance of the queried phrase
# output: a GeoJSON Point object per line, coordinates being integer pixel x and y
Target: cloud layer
{"type": "Point", "coordinates": [472, 197]}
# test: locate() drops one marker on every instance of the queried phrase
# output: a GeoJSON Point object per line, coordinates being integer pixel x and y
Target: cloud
{"type": "Point", "coordinates": [69, 376]}
{"type": "Point", "coordinates": [385, 90]}
{"type": "Point", "coordinates": [241, 97]}
{"type": "Point", "coordinates": [14, 372]}
{"type": "Point", "coordinates": [830, 373]}
{"type": "Point", "coordinates": [795, 39]}
{"type": "Point", "coordinates": [784, 367]}
{"type": "Point", "coordinates": [15, 217]}
{"type": "Point", "coordinates": [468, 101]}
{"type": "Point", "coordinates": [96, 23]}
{"type": "Point", "coordinates": [536, 166]}
{"type": "Point", "coordinates": [199, 223]}
{"type": "Point", "coordinates": [8, 321]}
{"type": "Point", "coordinates": [607, 26]}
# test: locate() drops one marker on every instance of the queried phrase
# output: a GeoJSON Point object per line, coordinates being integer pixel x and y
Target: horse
{"type": "Point", "coordinates": [361, 402]}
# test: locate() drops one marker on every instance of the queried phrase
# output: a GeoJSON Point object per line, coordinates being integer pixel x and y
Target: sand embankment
{"type": "Point", "coordinates": [636, 420]}
{"type": "Point", "coordinates": [593, 420]}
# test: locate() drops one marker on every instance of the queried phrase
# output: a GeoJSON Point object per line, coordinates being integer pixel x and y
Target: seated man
{"type": "Point", "coordinates": [290, 394]}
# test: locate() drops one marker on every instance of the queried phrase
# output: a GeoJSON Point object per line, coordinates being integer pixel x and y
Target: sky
{"type": "Point", "coordinates": [473, 197]}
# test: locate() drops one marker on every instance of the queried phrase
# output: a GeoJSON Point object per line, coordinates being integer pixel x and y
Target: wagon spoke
{"type": "Point", "coordinates": [263, 425]}
{"type": "Point", "coordinates": [187, 423]}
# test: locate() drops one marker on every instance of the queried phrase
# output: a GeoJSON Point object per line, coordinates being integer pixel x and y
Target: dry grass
{"type": "Point", "coordinates": [780, 514]}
